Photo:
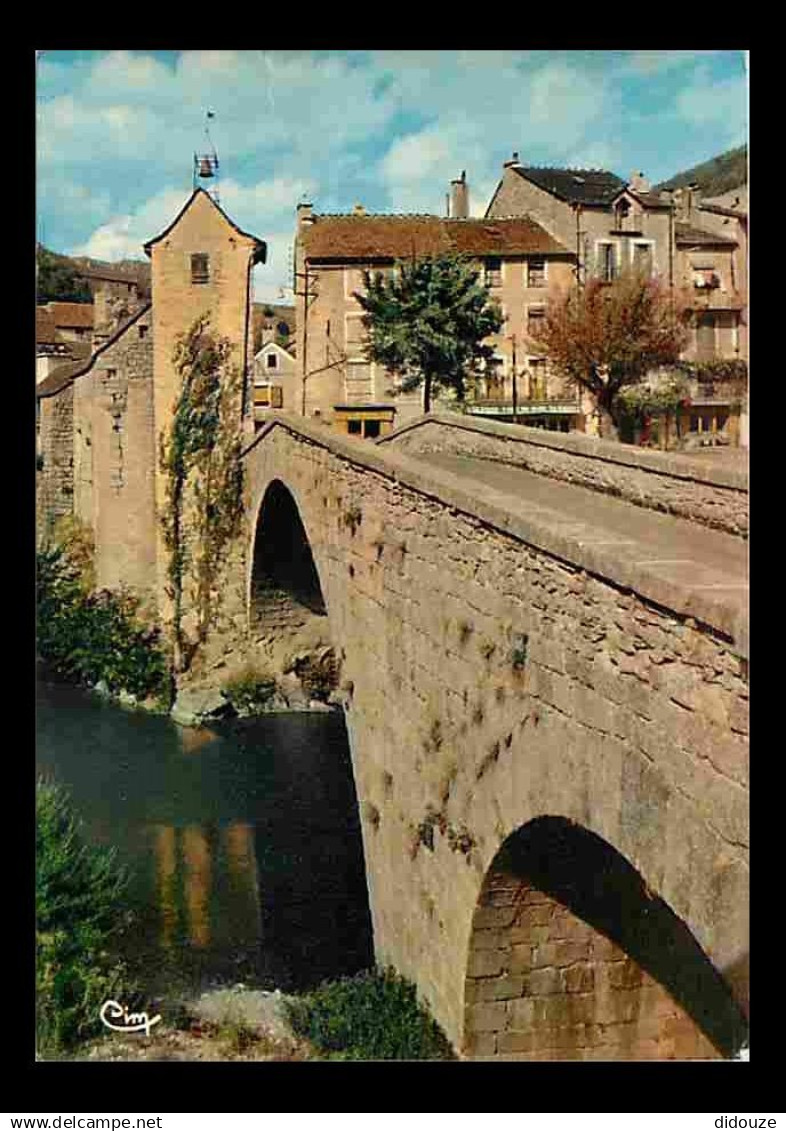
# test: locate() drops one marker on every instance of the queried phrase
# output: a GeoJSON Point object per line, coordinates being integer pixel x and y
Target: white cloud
{"type": "Point", "coordinates": [390, 129]}
{"type": "Point", "coordinates": [123, 236]}
{"type": "Point", "coordinates": [707, 103]}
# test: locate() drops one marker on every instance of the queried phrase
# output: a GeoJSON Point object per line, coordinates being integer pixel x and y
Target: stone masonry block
{"type": "Point", "coordinates": [579, 978]}
{"type": "Point", "coordinates": [487, 1017]}
{"type": "Point", "coordinates": [545, 981]}
{"type": "Point", "coordinates": [486, 963]}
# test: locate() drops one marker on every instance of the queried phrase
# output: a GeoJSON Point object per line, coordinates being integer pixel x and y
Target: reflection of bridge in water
{"type": "Point", "coordinates": [543, 643]}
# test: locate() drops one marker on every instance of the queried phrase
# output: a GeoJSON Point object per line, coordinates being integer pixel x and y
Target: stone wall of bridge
{"type": "Point", "coordinates": [488, 683]}
{"type": "Point", "coordinates": [716, 497]}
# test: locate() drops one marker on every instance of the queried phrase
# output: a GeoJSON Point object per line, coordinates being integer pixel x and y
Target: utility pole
{"type": "Point", "coordinates": [308, 296]}
{"type": "Point", "coordinates": [515, 387]}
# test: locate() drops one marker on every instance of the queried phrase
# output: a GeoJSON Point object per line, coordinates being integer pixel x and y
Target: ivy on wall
{"type": "Point", "coordinates": [638, 402]}
{"type": "Point", "coordinates": [200, 457]}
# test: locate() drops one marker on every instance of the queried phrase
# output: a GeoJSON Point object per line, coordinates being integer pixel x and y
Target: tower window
{"type": "Point", "coordinates": [200, 268]}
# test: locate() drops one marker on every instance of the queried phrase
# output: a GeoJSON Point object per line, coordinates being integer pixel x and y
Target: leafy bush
{"type": "Point", "coordinates": [250, 691]}
{"type": "Point", "coordinates": [318, 674]}
{"type": "Point", "coordinates": [374, 1015]}
{"type": "Point", "coordinates": [88, 637]}
{"type": "Point", "coordinates": [79, 920]}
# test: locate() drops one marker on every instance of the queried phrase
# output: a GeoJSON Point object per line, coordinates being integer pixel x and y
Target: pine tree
{"type": "Point", "coordinates": [426, 323]}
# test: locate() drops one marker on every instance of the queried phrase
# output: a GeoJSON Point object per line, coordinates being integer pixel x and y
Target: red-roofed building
{"type": "Point", "coordinates": [698, 249]}
{"type": "Point", "coordinates": [521, 263]}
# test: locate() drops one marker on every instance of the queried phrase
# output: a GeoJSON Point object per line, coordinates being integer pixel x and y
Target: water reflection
{"type": "Point", "coordinates": [244, 841]}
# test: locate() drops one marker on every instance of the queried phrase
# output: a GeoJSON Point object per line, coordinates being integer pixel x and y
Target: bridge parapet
{"type": "Point", "coordinates": [499, 666]}
{"type": "Point", "coordinates": [721, 607]}
{"type": "Point", "coordinates": [691, 488]}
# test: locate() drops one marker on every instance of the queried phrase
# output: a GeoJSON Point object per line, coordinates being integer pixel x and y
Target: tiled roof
{"type": "Point", "coordinates": [721, 210]}
{"type": "Point", "coordinates": [45, 329]}
{"type": "Point", "coordinates": [71, 315]}
{"type": "Point", "coordinates": [577, 186]}
{"type": "Point", "coordinates": [651, 199]}
{"type": "Point", "coordinates": [688, 234]}
{"type": "Point", "coordinates": [59, 378]}
{"type": "Point", "coordinates": [65, 374]}
{"type": "Point", "coordinates": [109, 274]}
{"type": "Point", "coordinates": [396, 237]}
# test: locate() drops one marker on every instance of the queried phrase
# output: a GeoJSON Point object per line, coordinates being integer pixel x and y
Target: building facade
{"type": "Point", "coordinates": [102, 419]}
{"type": "Point", "coordinates": [698, 249]}
{"type": "Point", "coordinates": [521, 263]}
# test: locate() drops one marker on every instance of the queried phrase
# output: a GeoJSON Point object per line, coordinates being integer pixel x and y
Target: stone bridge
{"type": "Point", "coordinates": [543, 650]}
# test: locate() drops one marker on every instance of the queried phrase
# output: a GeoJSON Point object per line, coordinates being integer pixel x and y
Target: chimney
{"type": "Point", "coordinates": [693, 194]}
{"type": "Point", "coordinates": [459, 197]}
{"type": "Point", "coordinates": [514, 162]}
{"type": "Point", "coordinates": [639, 183]}
{"type": "Point", "coordinates": [305, 214]}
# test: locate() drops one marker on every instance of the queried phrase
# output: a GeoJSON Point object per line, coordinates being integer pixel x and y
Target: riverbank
{"type": "Point", "coordinates": [236, 1024]}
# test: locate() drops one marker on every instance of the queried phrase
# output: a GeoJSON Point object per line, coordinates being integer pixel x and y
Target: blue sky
{"type": "Point", "coordinates": [116, 132]}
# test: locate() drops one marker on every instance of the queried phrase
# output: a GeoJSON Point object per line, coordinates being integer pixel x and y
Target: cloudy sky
{"type": "Point", "coordinates": [116, 132]}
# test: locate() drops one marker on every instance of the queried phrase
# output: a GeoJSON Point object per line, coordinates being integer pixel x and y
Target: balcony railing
{"type": "Point", "coordinates": [498, 406]}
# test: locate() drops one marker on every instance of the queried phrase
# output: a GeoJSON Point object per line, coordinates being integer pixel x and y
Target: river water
{"type": "Point", "coordinates": [243, 839]}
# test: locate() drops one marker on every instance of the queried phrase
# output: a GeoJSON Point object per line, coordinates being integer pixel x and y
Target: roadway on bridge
{"type": "Point", "coordinates": [682, 552]}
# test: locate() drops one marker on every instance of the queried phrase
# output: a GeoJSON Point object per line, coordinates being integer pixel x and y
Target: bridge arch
{"type": "Point", "coordinates": [282, 564]}
{"type": "Point", "coordinates": [572, 957]}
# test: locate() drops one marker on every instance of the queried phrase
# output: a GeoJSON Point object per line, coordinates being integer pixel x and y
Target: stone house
{"type": "Point", "coordinates": [610, 225]}
{"type": "Point", "coordinates": [698, 249]}
{"type": "Point", "coordinates": [521, 262]}
{"type": "Point", "coordinates": [102, 418]}
{"type": "Point", "coordinates": [63, 332]}
{"type": "Point", "coordinates": [275, 380]}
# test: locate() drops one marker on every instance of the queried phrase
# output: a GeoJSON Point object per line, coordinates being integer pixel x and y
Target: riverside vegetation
{"type": "Point", "coordinates": [79, 926]}
{"type": "Point", "coordinates": [82, 960]}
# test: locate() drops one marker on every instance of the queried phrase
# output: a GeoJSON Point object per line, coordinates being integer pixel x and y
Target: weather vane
{"type": "Point", "coordinates": [206, 163]}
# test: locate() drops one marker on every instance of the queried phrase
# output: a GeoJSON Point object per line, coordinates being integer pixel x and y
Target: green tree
{"type": "Point", "coordinates": [57, 280]}
{"type": "Point", "coordinates": [200, 457]}
{"type": "Point", "coordinates": [606, 336]}
{"type": "Point", "coordinates": [427, 323]}
{"type": "Point", "coordinates": [80, 899]}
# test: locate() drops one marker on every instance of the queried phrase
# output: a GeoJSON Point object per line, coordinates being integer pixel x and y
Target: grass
{"type": "Point", "coordinates": [374, 1015]}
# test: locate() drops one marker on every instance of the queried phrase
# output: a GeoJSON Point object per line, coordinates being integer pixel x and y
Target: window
{"type": "Point", "coordinates": [271, 361]}
{"type": "Point", "coordinates": [607, 262]}
{"type": "Point", "coordinates": [705, 278]}
{"type": "Point", "coordinates": [705, 337]}
{"type": "Point", "coordinates": [621, 212]}
{"type": "Point", "coordinates": [371, 429]}
{"type": "Point", "coordinates": [276, 396]}
{"type": "Point", "coordinates": [355, 335]}
{"type": "Point", "coordinates": [143, 331]}
{"type": "Point", "coordinates": [642, 258]}
{"type": "Point", "coordinates": [536, 316]}
{"type": "Point", "coordinates": [353, 281]}
{"type": "Point", "coordinates": [354, 427]}
{"type": "Point", "coordinates": [537, 378]}
{"type": "Point", "coordinates": [360, 384]}
{"type": "Point", "coordinates": [200, 268]}
{"type": "Point", "coordinates": [495, 380]}
{"type": "Point", "coordinates": [493, 272]}
{"type": "Point", "coordinates": [536, 272]}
